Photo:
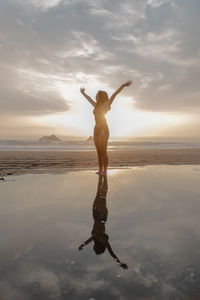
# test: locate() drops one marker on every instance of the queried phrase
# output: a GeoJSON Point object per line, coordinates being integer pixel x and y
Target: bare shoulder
{"type": "Point", "coordinates": [106, 105]}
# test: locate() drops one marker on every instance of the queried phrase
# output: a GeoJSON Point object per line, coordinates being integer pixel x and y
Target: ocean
{"type": "Point", "coordinates": [81, 145]}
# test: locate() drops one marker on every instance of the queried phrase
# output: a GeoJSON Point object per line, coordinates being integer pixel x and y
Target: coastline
{"type": "Point", "coordinates": [24, 162]}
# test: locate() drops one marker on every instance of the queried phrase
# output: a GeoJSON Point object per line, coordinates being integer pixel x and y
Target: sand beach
{"type": "Point", "coordinates": [20, 162]}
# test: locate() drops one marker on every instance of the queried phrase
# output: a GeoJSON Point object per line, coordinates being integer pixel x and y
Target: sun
{"type": "Point", "coordinates": [123, 119]}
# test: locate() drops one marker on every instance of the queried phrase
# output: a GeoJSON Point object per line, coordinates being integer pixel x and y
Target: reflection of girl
{"type": "Point", "coordinates": [101, 131]}
{"type": "Point", "coordinates": [100, 214]}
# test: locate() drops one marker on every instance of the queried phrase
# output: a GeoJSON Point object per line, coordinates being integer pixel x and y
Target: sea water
{"type": "Point", "coordinates": [135, 144]}
{"type": "Point", "coordinates": [153, 227]}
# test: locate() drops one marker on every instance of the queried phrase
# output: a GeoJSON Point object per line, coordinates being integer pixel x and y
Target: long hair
{"type": "Point", "coordinates": [101, 98]}
{"type": "Point", "coordinates": [99, 247]}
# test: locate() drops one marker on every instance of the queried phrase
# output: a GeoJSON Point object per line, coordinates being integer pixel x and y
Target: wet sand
{"type": "Point", "coordinates": [21, 162]}
{"type": "Point", "coordinates": [152, 226]}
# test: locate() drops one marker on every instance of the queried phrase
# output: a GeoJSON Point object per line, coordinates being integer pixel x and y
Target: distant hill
{"type": "Point", "coordinates": [50, 139]}
{"type": "Point", "coordinates": [90, 139]}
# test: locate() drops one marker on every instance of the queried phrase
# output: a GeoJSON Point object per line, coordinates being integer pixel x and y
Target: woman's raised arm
{"type": "Point", "coordinates": [123, 265]}
{"type": "Point", "coordinates": [85, 243]}
{"type": "Point", "coordinates": [82, 90]}
{"type": "Point", "coordinates": [118, 91]}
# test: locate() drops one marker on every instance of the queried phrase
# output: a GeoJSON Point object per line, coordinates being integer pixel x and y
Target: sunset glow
{"type": "Point", "coordinates": [123, 120]}
{"type": "Point", "coordinates": [48, 52]}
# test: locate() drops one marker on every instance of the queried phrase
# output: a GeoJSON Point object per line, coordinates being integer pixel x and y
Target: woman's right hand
{"type": "Point", "coordinates": [82, 90]}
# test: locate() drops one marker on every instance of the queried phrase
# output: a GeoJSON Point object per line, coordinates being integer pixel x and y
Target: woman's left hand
{"type": "Point", "coordinates": [124, 266]}
{"type": "Point", "coordinates": [127, 83]}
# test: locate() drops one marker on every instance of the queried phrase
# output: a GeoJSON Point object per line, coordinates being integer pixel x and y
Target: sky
{"type": "Point", "coordinates": [51, 48]}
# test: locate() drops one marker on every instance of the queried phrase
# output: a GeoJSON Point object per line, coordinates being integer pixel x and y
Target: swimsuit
{"type": "Point", "coordinates": [101, 130]}
{"type": "Point", "coordinates": [101, 127]}
{"type": "Point", "coordinates": [100, 216]}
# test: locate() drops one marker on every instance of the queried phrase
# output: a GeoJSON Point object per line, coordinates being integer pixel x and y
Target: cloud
{"type": "Point", "coordinates": [31, 280]}
{"type": "Point", "coordinates": [26, 93]}
{"type": "Point", "coordinates": [83, 45]}
{"type": "Point", "coordinates": [47, 43]}
{"type": "Point", "coordinates": [43, 5]}
{"type": "Point", "coordinates": [157, 3]}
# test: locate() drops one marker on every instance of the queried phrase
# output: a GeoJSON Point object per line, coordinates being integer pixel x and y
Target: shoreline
{"type": "Point", "coordinates": [25, 162]}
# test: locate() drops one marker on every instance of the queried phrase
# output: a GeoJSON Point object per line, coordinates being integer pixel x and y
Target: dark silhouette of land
{"type": "Point", "coordinates": [49, 139]}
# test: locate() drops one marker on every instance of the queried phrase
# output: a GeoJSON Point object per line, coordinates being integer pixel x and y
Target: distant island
{"type": "Point", "coordinates": [50, 139]}
{"type": "Point", "coordinates": [90, 139]}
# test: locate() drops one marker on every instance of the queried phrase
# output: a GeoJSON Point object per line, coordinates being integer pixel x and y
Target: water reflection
{"type": "Point", "coordinates": [100, 215]}
{"type": "Point", "coordinates": [155, 211]}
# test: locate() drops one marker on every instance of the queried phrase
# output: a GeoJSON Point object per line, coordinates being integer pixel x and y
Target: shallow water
{"type": "Point", "coordinates": [137, 144]}
{"type": "Point", "coordinates": [153, 227]}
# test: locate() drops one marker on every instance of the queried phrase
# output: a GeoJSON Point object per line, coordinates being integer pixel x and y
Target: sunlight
{"type": "Point", "coordinates": [111, 172]}
{"type": "Point", "coordinates": [123, 119]}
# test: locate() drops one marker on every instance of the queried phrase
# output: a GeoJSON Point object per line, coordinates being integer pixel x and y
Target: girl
{"type": "Point", "coordinates": [101, 131]}
{"type": "Point", "coordinates": [100, 215]}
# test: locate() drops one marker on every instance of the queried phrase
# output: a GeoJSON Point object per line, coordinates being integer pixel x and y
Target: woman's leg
{"type": "Point", "coordinates": [97, 142]}
{"type": "Point", "coordinates": [103, 141]}
{"type": "Point", "coordinates": [104, 144]}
